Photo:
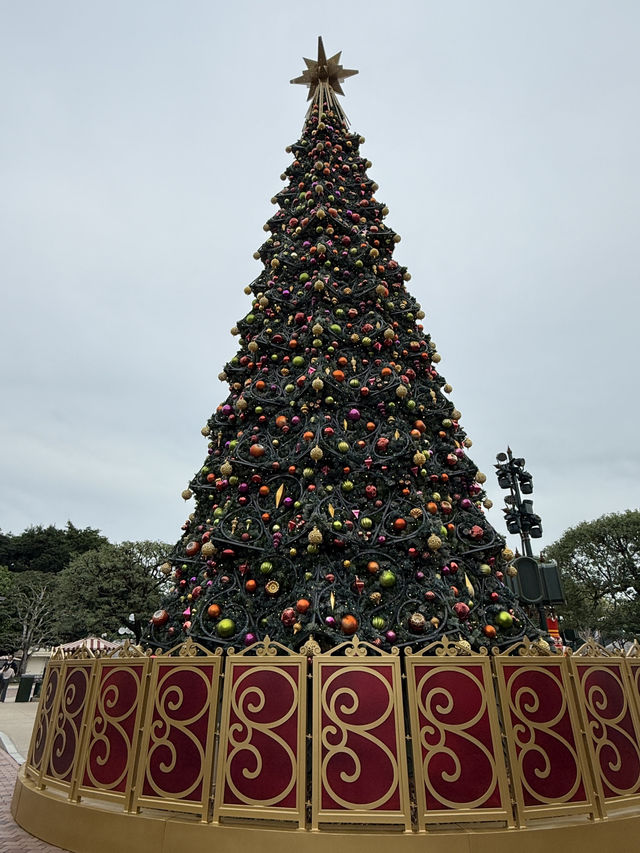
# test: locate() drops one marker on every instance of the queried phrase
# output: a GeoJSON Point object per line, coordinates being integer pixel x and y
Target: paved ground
{"type": "Point", "coordinates": [16, 723]}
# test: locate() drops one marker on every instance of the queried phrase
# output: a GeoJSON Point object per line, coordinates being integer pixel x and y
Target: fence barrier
{"type": "Point", "coordinates": [353, 736]}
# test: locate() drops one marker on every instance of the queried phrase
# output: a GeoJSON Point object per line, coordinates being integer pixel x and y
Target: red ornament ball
{"type": "Point", "coordinates": [160, 617]}
{"type": "Point", "coordinates": [461, 610]}
{"type": "Point", "coordinates": [288, 616]}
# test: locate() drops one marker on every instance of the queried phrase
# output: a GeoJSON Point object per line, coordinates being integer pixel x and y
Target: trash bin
{"type": "Point", "coordinates": [24, 688]}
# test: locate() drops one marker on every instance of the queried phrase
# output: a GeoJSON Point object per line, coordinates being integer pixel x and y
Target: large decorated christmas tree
{"type": "Point", "coordinates": [337, 496]}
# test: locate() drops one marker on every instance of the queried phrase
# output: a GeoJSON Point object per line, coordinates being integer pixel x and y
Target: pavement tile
{"type": "Point", "coordinates": [13, 839]}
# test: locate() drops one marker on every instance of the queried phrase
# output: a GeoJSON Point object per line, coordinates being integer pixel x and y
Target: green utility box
{"type": "Point", "coordinates": [24, 688]}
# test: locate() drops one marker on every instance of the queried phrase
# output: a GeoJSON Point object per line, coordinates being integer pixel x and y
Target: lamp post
{"type": "Point", "coordinates": [520, 518]}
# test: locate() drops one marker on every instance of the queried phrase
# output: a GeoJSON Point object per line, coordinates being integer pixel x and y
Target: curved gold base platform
{"type": "Point", "coordinates": [98, 828]}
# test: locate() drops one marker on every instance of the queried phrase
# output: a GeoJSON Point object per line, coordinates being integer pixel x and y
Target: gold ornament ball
{"type": "Point", "coordinates": [401, 392]}
{"type": "Point", "coordinates": [187, 494]}
{"type": "Point", "coordinates": [434, 542]}
{"type": "Point", "coordinates": [512, 571]}
{"type": "Point", "coordinates": [208, 549]}
{"type": "Point", "coordinates": [316, 454]}
{"type": "Point", "coordinates": [507, 553]}
{"type": "Point", "coordinates": [315, 537]}
{"type": "Point", "coordinates": [481, 478]}
{"type": "Point", "coordinates": [165, 568]}
{"type": "Point", "coordinates": [226, 468]}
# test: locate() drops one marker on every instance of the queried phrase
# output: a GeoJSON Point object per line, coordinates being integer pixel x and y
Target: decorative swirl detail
{"type": "Point", "coordinates": [253, 732]}
{"type": "Point", "coordinates": [539, 713]}
{"type": "Point", "coordinates": [340, 738]}
{"type": "Point", "coordinates": [611, 728]}
{"type": "Point", "coordinates": [112, 733]}
{"type": "Point", "coordinates": [44, 720]}
{"type": "Point", "coordinates": [66, 733]}
{"type": "Point", "coordinates": [447, 739]}
{"type": "Point", "coordinates": [171, 734]}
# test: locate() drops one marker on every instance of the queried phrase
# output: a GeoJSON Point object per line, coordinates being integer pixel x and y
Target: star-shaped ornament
{"type": "Point", "coordinates": [323, 70]}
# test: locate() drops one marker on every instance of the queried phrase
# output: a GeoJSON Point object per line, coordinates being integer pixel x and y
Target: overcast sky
{"type": "Point", "coordinates": [141, 144]}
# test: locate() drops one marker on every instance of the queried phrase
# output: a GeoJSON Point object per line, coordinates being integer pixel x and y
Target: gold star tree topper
{"type": "Point", "coordinates": [323, 77]}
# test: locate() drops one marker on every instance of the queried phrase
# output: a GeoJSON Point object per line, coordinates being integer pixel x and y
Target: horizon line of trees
{"type": "Point", "coordinates": [59, 585]}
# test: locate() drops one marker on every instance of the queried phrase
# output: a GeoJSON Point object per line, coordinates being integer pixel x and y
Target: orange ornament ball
{"type": "Point", "coordinates": [264, 491]}
{"type": "Point", "coordinates": [250, 586]}
{"type": "Point", "coordinates": [373, 567]}
{"type": "Point", "coordinates": [281, 421]}
{"type": "Point", "coordinates": [489, 631]}
{"type": "Point", "coordinates": [256, 450]}
{"type": "Point", "coordinates": [349, 624]}
{"type": "Point", "coordinates": [399, 524]}
{"type": "Point", "coordinates": [213, 611]}
{"type": "Point", "coordinates": [302, 605]}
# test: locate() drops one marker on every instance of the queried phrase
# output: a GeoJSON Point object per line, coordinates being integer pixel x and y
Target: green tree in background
{"type": "Point", "coordinates": [600, 565]}
{"type": "Point", "coordinates": [46, 549]}
{"type": "Point", "coordinates": [28, 618]}
{"type": "Point", "coordinates": [103, 588]}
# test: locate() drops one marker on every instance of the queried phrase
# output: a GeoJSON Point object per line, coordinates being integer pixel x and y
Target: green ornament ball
{"type": "Point", "coordinates": [387, 579]}
{"type": "Point", "coordinates": [504, 619]}
{"type": "Point", "coordinates": [226, 628]}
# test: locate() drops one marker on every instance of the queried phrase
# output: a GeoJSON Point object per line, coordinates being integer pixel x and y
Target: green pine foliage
{"type": "Point", "coordinates": [337, 495]}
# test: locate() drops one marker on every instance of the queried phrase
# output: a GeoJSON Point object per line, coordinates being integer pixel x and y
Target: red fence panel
{"type": "Point", "coordinates": [611, 723]}
{"type": "Point", "coordinates": [261, 766]}
{"type": "Point", "coordinates": [63, 752]}
{"type": "Point", "coordinates": [112, 729]}
{"type": "Point", "coordinates": [458, 762]}
{"type": "Point", "coordinates": [359, 750]}
{"type": "Point", "coordinates": [176, 756]}
{"type": "Point", "coordinates": [546, 752]}
{"type": "Point", "coordinates": [49, 698]}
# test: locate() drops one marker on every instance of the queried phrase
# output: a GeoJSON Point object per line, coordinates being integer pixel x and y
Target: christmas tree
{"type": "Point", "coordinates": [337, 496]}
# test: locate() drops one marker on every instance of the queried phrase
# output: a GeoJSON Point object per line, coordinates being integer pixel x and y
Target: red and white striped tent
{"type": "Point", "coordinates": [92, 643]}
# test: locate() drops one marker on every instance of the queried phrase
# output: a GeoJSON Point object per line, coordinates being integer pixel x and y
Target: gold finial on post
{"type": "Point", "coordinates": [323, 77]}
